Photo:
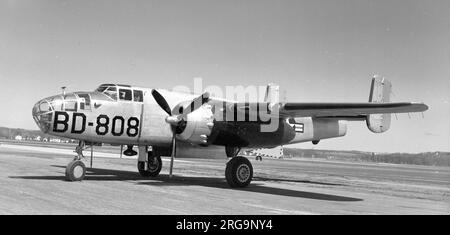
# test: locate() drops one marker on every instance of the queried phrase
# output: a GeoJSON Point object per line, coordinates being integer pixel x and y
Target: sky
{"type": "Point", "coordinates": [316, 51]}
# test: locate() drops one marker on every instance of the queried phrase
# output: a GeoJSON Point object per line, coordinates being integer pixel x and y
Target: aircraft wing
{"type": "Point", "coordinates": [377, 115]}
{"type": "Point", "coordinates": [332, 110]}
{"type": "Point", "coordinates": [376, 112]}
{"type": "Point", "coordinates": [348, 110]}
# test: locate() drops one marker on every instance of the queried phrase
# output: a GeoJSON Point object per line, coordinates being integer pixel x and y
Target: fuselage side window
{"type": "Point", "coordinates": [85, 101]}
{"type": "Point", "coordinates": [125, 94]}
{"type": "Point", "coordinates": [138, 97]}
{"type": "Point", "coordinates": [70, 103]}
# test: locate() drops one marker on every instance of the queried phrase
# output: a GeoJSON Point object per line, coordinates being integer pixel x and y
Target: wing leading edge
{"type": "Point", "coordinates": [348, 110]}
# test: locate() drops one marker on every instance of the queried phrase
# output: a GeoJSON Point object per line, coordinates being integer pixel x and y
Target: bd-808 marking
{"type": "Point", "coordinates": [103, 123]}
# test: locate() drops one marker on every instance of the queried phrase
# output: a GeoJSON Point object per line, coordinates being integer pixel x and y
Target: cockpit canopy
{"type": "Point", "coordinates": [121, 92]}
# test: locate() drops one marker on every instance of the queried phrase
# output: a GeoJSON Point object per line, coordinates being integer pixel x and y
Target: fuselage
{"type": "Point", "coordinates": [121, 114]}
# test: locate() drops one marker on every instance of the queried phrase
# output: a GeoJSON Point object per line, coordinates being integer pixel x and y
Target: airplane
{"type": "Point", "coordinates": [159, 118]}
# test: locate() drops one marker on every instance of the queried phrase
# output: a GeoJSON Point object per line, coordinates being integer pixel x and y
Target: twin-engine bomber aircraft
{"type": "Point", "coordinates": [159, 118]}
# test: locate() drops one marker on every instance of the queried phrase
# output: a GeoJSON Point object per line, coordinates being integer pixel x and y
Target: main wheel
{"type": "Point", "coordinates": [75, 171]}
{"type": "Point", "coordinates": [239, 172]}
{"type": "Point", "coordinates": [154, 166]}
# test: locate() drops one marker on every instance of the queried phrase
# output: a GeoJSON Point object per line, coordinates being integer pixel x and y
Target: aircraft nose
{"type": "Point", "coordinates": [43, 113]}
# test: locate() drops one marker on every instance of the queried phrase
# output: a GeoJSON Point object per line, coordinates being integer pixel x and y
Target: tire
{"type": "Point", "coordinates": [75, 171]}
{"type": "Point", "coordinates": [154, 166]}
{"type": "Point", "coordinates": [239, 172]}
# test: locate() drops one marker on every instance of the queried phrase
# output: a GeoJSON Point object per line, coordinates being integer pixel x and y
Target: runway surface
{"type": "Point", "coordinates": [32, 182]}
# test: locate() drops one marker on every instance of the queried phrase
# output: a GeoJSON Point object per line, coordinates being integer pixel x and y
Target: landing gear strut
{"type": "Point", "coordinates": [76, 170]}
{"type": "Point", "coordinates": [232, 151]}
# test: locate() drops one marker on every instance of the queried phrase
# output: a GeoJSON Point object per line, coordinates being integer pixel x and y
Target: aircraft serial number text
{"type": "Point", "coordinates": [116, 125]}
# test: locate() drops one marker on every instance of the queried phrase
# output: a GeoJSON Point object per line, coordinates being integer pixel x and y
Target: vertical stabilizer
{"type": "Point", "coordinates": [380, 91]}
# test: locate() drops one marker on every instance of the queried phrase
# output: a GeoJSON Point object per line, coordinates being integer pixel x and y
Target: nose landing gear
{"type": "Point", "coordinates": [76, 170]}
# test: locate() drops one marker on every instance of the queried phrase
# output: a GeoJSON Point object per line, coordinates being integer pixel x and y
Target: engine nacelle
{"type": "Point", "coordinates": [315, 129]}
{"type": "Point", "coordinates": [328, 128]}
{"type": "Point", "coordinates": [198, 126]}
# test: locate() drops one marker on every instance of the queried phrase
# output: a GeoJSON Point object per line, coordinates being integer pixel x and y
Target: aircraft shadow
{"type": "Point", "coordinates": [296, 181]}
{"type": "Point", "coordinates": [97, 174]}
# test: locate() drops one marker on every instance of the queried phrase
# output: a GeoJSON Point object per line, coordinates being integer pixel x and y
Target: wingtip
{"type": "Point", "coordinates": [421, 106]}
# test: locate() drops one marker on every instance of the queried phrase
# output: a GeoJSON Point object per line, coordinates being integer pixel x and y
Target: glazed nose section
{"type": "Point", "coordinates": [42, 114]}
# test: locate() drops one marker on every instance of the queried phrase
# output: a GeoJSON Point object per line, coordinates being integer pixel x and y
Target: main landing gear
{"type": "Point", "coordinates": [76, 170]}
{"type": "Point", "coordinates": [151, 167]}
{"type": "Point", "coordinates": [239, 170]}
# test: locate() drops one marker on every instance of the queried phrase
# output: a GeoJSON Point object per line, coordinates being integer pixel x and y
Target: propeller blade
{"type": "Point", "coordinates": [161, 102]}
{"type": "Point", "coordinates": [172, 157]}
{"type": "Point", "coordinates": [175, 120]}
{"type": "Point", "coordinates": [196, 103]}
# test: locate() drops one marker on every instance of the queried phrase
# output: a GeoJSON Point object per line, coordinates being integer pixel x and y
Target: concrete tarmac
{"type": "Point", "coordinates": [32, 181]}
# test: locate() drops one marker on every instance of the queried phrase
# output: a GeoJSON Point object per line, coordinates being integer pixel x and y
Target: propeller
{"type": "Point", "coordinates": [178, 121]}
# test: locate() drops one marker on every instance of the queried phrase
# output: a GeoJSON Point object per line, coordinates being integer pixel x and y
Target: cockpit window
{"type": "Point", "coordinates": [101, 88]}
{"type": "Point", "coordinates": [111, 92]}
{"type": "Point", "coordinates": [138, 97]}
{"type": "Point", "coordinates": [125, 94]}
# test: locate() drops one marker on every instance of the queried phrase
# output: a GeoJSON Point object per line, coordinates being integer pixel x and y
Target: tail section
{"type": "Point", "coordinates": [380, 91]}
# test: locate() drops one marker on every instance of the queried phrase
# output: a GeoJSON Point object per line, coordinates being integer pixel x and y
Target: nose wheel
{"type": "Point", "coordinates": [76, 170]}
{"type": "Point", "coordinates": [239, 172]}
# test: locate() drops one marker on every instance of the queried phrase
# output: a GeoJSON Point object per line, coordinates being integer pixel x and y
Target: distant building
{"type": "Point", "coordinates": [276, 152]}
{"type": "Point", "coordinates": [55, 140]}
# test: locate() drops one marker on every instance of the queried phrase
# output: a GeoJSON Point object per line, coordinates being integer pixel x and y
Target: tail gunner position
{"type": "Point", "coordinates": [159, 118]}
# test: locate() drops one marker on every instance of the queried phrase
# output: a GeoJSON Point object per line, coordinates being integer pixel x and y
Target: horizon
{"type": "Point", "coordinates": [288, 146]}
{"type": "Point", "coordinates": [323, 51]}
